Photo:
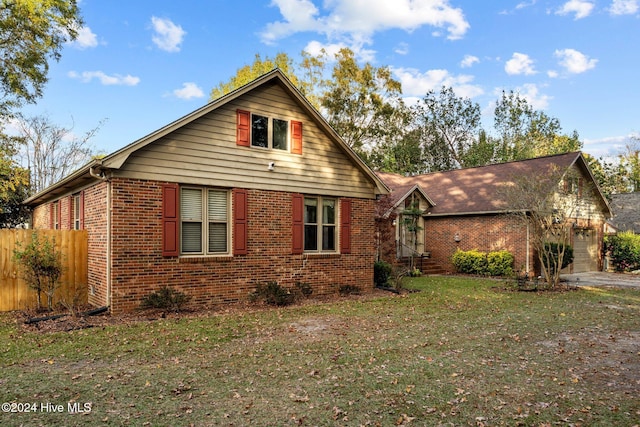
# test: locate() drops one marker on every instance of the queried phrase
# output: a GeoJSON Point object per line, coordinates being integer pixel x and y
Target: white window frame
{"type": "Point", "coordinates": [320, 224]}
{"type": "Point", "coordinates": [270, 130]}
{"type": "Point", "coordinates": [205, 221]}
{"type": "Point", "coordinates": [76, 205]}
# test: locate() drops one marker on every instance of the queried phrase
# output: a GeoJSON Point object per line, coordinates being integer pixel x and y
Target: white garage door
{"type": "Point", "coordinates": [585, 251]}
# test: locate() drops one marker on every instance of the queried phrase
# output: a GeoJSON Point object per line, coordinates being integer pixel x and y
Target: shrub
{"type": "Point", "coordinates": [498, 263]}
{"type": "Point", "coordinates": [381, 273]}
{"type": "Point", "coordinates": [165, 298]}
{"type": "Point", "coordinates": [469, 262]}
{"type": "Point", "coordinates": [42, 265]}
{"type": "Point", "coordinates": [273, 294]}
{"type": "Point", "coordinates": [304, 288]}
{"type": "Point", "coordinates": [624, 249]}
{"type": "Point", "coordinates": [553, 249]}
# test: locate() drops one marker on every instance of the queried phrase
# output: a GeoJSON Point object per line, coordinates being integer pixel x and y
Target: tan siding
{"type": "Point", "coordinates": [205, 152]}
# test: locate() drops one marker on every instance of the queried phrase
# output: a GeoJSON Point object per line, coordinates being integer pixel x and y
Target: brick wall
{"type": "Point", "coordinates": [138, 267]}
{"type": "Point", "coordinates": [95, 222]}
{"type": "Point", "coordinates": [486, 233]}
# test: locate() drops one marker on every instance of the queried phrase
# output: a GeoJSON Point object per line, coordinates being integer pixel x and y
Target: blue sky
{"type": "Point", "coordinates": [139, 65]}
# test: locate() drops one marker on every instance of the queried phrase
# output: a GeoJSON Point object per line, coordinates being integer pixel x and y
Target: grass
{"type": "Point", "coordinates": [460, 352]}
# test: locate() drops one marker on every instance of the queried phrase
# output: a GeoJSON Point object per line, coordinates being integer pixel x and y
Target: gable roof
{"type": "Point", "coordinates": [94, 169]}
{"type": "Point", "coordinates": [626, 210]}
{"type": "Point", "coordinates": [479, 190]}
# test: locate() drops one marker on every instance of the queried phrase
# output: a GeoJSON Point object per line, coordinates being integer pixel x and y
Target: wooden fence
{"type": "Point", "coordinates": [15, 294]}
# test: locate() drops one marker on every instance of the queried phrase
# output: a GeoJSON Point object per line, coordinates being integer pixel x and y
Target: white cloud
{"type": "Point", "coordinates": [416, 84]}
{"type": "Point", "coordinates": [85, 39]}
{"type": "Point", "coordinates": [105, 79]}
{"type": "Point", "coordinates": [574, 62]}
{"type": "Point", "coordinates": [188, 91]}
{"type": "Point", "coordinates": [581, 8]}
{"type": "Point", "coordinates": [358, 20]}
{"type": "Point", "coordinates": [469, 60]}
{"type": "Point", "coordinates": [402, 49]}
{"type": "Point", "coordinates": [316, 48]}
{"type": "Point", "coordinates": [168, 36]}
{"type": "Point", "coordinates": [519, 63]}
{"type": "Point", "coordinates": [624, 7]}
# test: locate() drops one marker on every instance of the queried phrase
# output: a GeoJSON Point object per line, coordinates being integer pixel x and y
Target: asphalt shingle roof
{"type": "Point", "coordinates": [476, 190]}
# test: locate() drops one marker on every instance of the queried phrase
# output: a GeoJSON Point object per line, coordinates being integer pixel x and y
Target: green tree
{"type": "Point", "coordinates": [14, 187]}
{"type": "Point", "coordinates": [630, 164]}
{"type": "Point", "coordinates": [260, 66]}
{"type": "Point", "coordinates": [32, 32]}
{"type": "Point", "coordinates": [450, 125]}
{"type": "Point", "coordinates": [360, 102]}
{"type": "Point", "coordinates": [524, 132]}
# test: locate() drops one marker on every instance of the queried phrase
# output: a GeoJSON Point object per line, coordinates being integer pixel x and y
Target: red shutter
{"type": "Point", "coordinates": [240, 214]}
{"type": "Point", "coordinates": [296, 137]}
{"type": "Point", "coordinates": [51, 212]}
{"type": "Point", "coordinates": [170, 205]}
{"type": "Point", "coordinates": [345, 226]}
{"type": "Point", "coordinates": [297, 203]}
{"type": "Point", "coordinates": [244, 127]}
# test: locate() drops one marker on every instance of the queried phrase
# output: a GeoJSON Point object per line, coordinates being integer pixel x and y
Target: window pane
{"type": "Point", "coordinates": [311, 211]}
{"type": "Point", "coordinates": [310, 237]}
{"type": "Point", "coordinates": [259, 131]}
{"type": "Point", "coordinates": [280, 129]}
{"type": "Point", "coordinates": [217, 205]}
{"type": "Point", "coordinates": [217, 237]}
{"type": "Point", "coordinates": [191, 204]}
{"type": "Point", "coordinates": [329, 212]}
{"type": "Point", "coordinates": [192, 237]}
{"type": "Point", "coordinates": [328, 238]}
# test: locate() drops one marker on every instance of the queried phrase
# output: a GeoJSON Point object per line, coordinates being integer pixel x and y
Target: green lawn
{"type": "Point", "coordinates": [459, 352]}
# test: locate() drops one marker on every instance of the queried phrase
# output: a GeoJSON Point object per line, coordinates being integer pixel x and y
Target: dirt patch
{"type": "Point", "coordinates": [608, 360]}
{"type": "Point", "coordinates": [63, 321]}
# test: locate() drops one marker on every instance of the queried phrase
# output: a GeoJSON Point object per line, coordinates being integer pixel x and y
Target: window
{"type": "Point", "coordinates": [55, 215]}
{"type": "Point", "coordinates": [204, 221]}
{"type": "Point", "coordinates": [76, 207]}
{"type": "Point", "coordinates": [260, 136]}
{"type": "Point", "coordinates": [254, 130]}
{"type": "Point", "coordinates": [319, 224]}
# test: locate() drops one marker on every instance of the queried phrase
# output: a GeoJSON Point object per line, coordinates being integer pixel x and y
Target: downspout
{"type": "Point", "coordinates": [102, 176]}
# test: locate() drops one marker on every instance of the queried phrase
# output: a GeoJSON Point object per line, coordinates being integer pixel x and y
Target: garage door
{"type": "Point", "coordinates": [585, 251]}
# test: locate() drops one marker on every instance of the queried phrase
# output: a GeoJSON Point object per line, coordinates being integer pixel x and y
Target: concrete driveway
{"type": "Point", "coordinates": [599, 278]}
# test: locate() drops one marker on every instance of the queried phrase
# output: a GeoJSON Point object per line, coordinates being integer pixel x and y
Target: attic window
{"type": "Point", "coordinates": [259, 131]}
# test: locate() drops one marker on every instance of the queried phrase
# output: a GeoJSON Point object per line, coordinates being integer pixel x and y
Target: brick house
{"type": "Point", "coordinates": [252, 187]}
{"type": "Point", "coordinates": [466, 209]}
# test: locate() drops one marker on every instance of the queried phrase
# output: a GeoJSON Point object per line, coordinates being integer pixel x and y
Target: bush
{"type": "Point", "coordinates": [42, 266]}
{"type": "Point", "coordinates": [498, 263]}
{"type": "Point", "coordinates": [624, 249]}
{"type": "Point", "coordinates": [165, 298]}
{"type": "Point", "coordinates": [273, 294]}
{"type": "Point", "coordinates": [554, 249]}
{"type": "Point", "coordinates": [381, 273]}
